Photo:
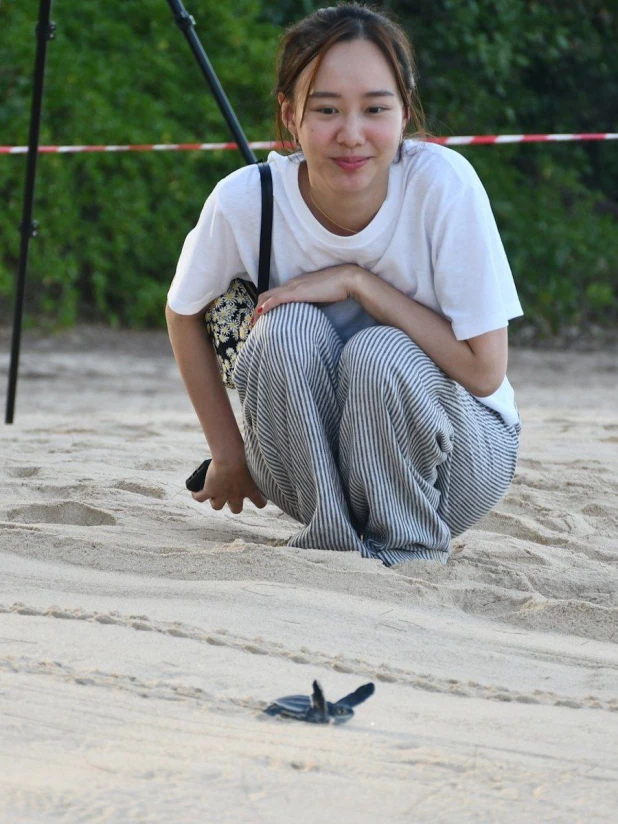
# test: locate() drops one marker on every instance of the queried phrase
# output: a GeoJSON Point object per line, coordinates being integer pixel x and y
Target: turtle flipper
{"type": "Point", "coordinates": [357, 697]}
{"type": "Point", "coordinates": [319, 710]}
{"type": "Point", "coordinates": [273, 709]}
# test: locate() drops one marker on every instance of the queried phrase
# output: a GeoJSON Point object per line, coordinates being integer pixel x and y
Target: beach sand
{"type": "Point", "coordinates": [142, 634]}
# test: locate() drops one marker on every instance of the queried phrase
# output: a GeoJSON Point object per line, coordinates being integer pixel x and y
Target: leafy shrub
{"type": "Point", "coordinates": [120, 72]}
{"type": "Point", "coordinates": [112, 225]}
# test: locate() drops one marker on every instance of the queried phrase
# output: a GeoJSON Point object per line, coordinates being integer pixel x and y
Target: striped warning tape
{"type": "Point", "coordinates": [466, 140]}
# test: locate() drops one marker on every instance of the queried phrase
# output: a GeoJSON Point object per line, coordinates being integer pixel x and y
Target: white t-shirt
{"type": "Point", "coordinates": [435, 239]}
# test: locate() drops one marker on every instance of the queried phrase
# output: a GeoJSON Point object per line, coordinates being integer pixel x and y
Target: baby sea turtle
{"type": "Point", "coordinates": [316, 709]}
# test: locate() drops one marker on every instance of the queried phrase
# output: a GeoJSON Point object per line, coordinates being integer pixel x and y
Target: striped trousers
{"type": "Point", "coordinates": [368, 444]}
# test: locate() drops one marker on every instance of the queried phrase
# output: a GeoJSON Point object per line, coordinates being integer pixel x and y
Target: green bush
{"type": "Point", "coordinates": [517, 67]}
{"type": "Point", "coordinates": [112, 225]}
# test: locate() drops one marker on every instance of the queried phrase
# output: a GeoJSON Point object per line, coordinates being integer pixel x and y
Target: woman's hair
{"type": "Point", "coordinates": [313, 36]}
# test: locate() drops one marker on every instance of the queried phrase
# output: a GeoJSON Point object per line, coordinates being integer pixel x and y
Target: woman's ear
{"type": "Point", "coordinates": [406, 120]}
{"type": "Point", "coordinates": [287, 113]}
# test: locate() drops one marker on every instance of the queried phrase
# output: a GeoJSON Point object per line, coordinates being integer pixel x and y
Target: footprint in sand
{"type": "Point", "coordinates": [517, 526]}
{"type": "Point", "coordinates": [62, 512]}
{"type": "Point", "coordinates": [154, 465]}
{"type": "Point", "coordinates": [140, 489]}
{"type": "Point", "coordinates": [24, 471]}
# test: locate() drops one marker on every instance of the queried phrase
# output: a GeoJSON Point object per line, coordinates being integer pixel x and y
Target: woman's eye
{"type": "Point", "coordinates": [332, 110]}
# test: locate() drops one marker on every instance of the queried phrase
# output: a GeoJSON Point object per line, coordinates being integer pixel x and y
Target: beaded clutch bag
{"type": "Point", "coordinates": [228, 317]}
{"type": "Point", "coordinates": [228, 323]}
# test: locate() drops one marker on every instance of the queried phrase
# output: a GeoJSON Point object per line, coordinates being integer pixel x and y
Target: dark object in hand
{"type": "Point", "coordinates": [196, 482]}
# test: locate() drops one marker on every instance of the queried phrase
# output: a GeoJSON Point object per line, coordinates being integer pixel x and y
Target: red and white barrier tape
{"type": "Point", "coordinates": [469, 140]}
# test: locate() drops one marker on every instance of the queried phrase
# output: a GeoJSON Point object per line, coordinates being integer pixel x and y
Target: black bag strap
{"type": "Point", "coordinates": [266, 230]}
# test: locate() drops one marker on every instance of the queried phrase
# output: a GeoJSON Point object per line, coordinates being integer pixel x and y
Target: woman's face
{"type": "Point", "coordinates": [353, 121]}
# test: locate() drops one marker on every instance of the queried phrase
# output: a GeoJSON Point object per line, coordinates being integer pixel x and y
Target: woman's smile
{"type": "Point", "coordinates": [351, 164]}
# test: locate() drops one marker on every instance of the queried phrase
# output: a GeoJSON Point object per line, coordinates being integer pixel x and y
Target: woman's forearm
{"type": "Point", "coordinates": [430, 331]}
{"type": "Point", "coordinates": [198, 367]}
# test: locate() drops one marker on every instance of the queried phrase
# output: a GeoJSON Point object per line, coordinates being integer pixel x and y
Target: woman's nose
{"type": "Point", "coordinates": [351, 132]}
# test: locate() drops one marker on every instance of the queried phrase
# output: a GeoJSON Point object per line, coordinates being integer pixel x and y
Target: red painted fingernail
{"type": "Point", "coordinates": [259, 311]}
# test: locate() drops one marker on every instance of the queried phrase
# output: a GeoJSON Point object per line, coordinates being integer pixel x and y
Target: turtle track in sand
{"type": "Point", "coordinates": [260, 646]}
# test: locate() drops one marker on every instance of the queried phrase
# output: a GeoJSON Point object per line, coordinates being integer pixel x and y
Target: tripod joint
{"type": "Point", "coordinates": [31, 229]}
{"type": "Point", "coordinates": [184, 20]}
{"type": "Point", "coordinates": [48, 32]}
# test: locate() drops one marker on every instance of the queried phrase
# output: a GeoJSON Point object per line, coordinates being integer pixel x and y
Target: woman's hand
{"type": "Point", "coordinates": [229, 485]}
{"type": "Point", "coordinates": [326, 286]}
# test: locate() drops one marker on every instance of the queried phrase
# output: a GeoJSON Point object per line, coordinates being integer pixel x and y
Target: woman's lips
{"type": "Point", "coordinates": [350, 164]}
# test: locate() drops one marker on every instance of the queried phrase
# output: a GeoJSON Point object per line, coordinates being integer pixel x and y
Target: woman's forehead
{"type": "Point", "coordinates": [356, 66]}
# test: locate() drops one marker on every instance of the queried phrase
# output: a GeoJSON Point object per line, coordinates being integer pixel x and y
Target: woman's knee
{"type": "Point", "coordinates": [292, 329]}
{"type": "Point", "coordinates": [375, 351]}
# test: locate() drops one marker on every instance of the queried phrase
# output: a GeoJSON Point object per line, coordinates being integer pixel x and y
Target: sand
{"type": "Point", "coordinates": [142, 634]}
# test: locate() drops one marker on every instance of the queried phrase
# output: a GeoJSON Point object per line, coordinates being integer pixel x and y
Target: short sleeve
{"type": "Point", "coordinates": [209, 261]}
{"type": "Point", "coordinates": [472, 277]}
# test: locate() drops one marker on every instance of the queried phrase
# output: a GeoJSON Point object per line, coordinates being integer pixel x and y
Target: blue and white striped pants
{"type": "Point", "coordinates": [369, 444]}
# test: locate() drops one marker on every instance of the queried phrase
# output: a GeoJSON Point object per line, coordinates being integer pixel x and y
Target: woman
{"type": "Point", "coordinates": [376, 408]}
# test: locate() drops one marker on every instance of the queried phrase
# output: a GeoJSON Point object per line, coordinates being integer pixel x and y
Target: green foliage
{"type": "Point", "coordinates": [121, 72]}
{"type": "Point", "coordinates": [518, 67]}
{"type": "Point", "coordinates": [112, 225]}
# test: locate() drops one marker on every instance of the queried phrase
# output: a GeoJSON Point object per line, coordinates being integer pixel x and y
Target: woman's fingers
{"type": "Point", "coordinates": [235, 504]}
{"type": "Point", "coordinates": [216, 502]}
{"type": "Point", "coordinates": [258, 499]}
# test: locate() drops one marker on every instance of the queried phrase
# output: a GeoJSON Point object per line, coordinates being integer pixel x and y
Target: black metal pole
{"type": "Point", "coordinates": [186, 24]}
{"type": "Point", "coordinates": [44, 31]}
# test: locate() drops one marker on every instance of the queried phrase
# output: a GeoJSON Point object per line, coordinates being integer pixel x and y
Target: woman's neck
{"type": "Point", "coordinates": [345, 216]}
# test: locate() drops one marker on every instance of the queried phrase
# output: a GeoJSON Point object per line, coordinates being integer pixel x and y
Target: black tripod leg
{"type": "Point", "coordinates": [186, 23]}
{"type": "Point", "coordinates": [45, 31]}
